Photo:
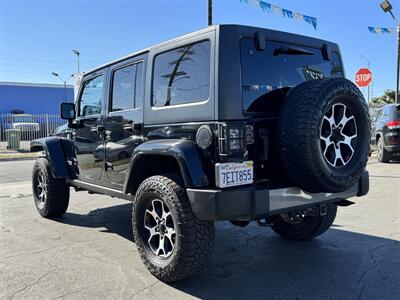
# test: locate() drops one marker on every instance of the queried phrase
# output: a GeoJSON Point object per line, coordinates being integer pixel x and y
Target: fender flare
{"type": "Point", "coordinates": [56, 150]}
{"type": "Point", "coordinates": [185, 152]}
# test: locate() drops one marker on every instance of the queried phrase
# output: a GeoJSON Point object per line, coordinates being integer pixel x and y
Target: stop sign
{"type": "Point", "coordinates": [363, 77]}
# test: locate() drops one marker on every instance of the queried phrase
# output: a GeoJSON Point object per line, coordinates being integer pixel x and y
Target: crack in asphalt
{"type": "Point", "coordinates": [145, 288]}
{"type": "Point", "coordinates": [28, 286]}
{"type": "Point", "coordinates": [68, 293]}
{"type": "Point", "coordinates": [373, 264]}
{"type": "Point", "coordinates": [33, 252]}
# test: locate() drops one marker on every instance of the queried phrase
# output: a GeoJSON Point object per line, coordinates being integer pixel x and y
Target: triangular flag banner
{"type": "Point", "coordinates": [271, 8]}
{"type": "Point", "coordinates": [383, 30]}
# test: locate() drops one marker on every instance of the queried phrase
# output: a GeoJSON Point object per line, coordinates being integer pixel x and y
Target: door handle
{"type": "Point", "coordinates": [129, 126]}
{"type": "Point", "coordinates": [97, 128]}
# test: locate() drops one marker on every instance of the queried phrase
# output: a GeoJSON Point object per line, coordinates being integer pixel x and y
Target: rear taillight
{"type": "Point", "coordinates": [231, 139]}
{"type": "Point", "coordinates": [393, 124]}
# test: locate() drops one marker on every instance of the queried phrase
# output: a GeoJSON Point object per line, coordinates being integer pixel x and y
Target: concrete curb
{"type": "Point", "coordinates": [18, 156]}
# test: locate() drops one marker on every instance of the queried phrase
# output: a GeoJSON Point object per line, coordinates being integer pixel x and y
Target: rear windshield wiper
{"type": "Point", "coordinates": [291, 51]}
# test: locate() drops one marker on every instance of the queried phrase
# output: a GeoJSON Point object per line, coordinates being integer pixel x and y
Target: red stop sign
{"type": "Point", "coordinates": [363, 77]}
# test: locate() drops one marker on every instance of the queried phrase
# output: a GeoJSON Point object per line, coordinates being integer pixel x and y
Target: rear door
{"type": "Point", "coordinates": [124, 120]}
{"type": "Point", "coordinates": [89, 137]}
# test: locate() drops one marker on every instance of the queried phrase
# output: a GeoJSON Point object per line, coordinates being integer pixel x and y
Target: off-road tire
{"type": "Point", "coordinates": [194, 239]}
{"type": "Point", "coordinates": [308, 228]}
{"type": "Point", "coordinates": [56, 199]}
{"type": "Point", "coordinates": [299, 129]}
{"type": "Point", "coordinates": [383, 155]}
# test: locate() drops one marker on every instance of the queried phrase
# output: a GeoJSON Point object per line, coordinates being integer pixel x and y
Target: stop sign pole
{"type": "Point", "coordinates": [369, 68]}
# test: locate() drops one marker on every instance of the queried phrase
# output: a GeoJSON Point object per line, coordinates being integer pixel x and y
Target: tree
{"type": "Point", "coordinates": [386, 98]}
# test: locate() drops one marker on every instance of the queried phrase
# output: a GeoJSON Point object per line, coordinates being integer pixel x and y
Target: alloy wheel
{"type": "Point", "coordinates": [41, 188]}
{"type": "Point", "coordinates": [160, 225]}
{"type": "Point", "coordinates": [380, 149]}
{"type": "Point", "coordinates": [338, 135]}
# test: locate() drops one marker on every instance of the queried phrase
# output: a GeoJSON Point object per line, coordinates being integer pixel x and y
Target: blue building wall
{"type": "Point", "coordinates": [33, 98]}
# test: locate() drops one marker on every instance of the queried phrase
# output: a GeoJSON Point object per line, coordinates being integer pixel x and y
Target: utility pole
{"type": "Point", "coordinates": [398, 64]}
{"type": "Point", "coordinates": [209, 12]}
{"type": "Point", "coordinates": [387, 8]}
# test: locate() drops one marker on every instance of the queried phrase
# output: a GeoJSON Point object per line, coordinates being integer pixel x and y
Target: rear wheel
{"type": "Point", "coordinates": [383, 155]}
{"type": "Point", "coordinates": [299, 228]}
{"type": "Point", "coordinates": [172, 242]}
{"type": "Point", "coordinates": [51, 194]}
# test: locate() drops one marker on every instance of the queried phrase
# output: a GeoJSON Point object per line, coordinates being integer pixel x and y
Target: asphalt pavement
{"type": "Point", "coordinates": [89, 253]}
{"type": "Point", "coordinates": [16, 171]}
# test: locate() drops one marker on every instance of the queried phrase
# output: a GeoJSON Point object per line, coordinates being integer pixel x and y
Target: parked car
{"type": "Point", "coordinates": [25, 122]}
{"type": "Point", "coordinates": [227, 123]}
{"type": "Point", "coordinates": [386, 132]}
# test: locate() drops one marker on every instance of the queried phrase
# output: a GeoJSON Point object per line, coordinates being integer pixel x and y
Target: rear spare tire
{"type": "Point", "coordinates": [323, 135]}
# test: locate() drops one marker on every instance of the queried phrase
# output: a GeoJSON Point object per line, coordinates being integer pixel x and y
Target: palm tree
{"type": "Point", "coordinates": [386, 98]}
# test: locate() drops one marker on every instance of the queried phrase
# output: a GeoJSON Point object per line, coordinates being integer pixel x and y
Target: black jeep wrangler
{"type": "Point", "coordinates": [227, 123]}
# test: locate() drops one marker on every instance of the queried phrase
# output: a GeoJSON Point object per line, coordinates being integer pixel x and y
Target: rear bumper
{"type": "Point", "coordinates": [392, 141]}
{"type": "Point", "coordinates": [252, 203]}
{"type": "Point", "coordinates": [392, 148]}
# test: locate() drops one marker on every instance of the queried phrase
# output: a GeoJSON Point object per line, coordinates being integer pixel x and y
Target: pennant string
{"type": "Point", "coordinates": [313, 21]}
{"type": "Point", "coordinates": [271, 8]}
{"type": "Point", "coordinates": [378, 30]}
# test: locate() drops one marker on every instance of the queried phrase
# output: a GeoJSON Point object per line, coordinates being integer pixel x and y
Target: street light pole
{"type": "Point", "coordinates": [77, 55]}
{"type": "Point", "coordinates": [65, 83]}
{"type": "Point", "coordinates": [369, 68]}
{"type": "Point", "coordinates": [387, 8]}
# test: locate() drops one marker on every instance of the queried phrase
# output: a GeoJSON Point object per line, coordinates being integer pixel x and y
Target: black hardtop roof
{"type": "Point", "coordinates": [239, 30]}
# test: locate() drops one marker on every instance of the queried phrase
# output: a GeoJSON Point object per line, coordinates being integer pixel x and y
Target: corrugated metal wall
{"type": "Point", "coordinates": [32, 98]}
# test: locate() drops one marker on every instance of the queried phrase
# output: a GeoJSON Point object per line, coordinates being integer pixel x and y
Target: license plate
{"type": "Point", "coordinates": [233, 174]}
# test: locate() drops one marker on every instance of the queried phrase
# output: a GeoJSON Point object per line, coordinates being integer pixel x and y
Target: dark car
{"type": "Point", "coordinates": [386, 132]}
{"type": "Point", "coordinates": [227, 123]}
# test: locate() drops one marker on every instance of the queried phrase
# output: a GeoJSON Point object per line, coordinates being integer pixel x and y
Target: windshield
{"type": "Point", "coordinates": [24, 119]}
{"type": "Point", "coordinates": [270, 73]}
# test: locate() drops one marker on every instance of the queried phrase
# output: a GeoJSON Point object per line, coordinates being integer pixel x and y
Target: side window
{"type": "Point", "coordinates": [386, 112]}
{"type": "Point", "coordinates": [127, 87]}
{"type": "Point", "coordinates": [92, 97]}
{"type": "Point", "coordinates": [182, 75]}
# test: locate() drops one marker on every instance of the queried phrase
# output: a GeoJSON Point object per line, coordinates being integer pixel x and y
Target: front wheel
{"type": "Point", "coordinates": [51, 194]}
{"type": "Point", "coordinates": [303, 228]}
{"type": "Point", "coordinates": [172, 243]}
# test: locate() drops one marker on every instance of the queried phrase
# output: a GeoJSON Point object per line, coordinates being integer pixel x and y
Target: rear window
{"type": "Point", "coordinates": [279, 67]}
{"type": "Point", "coordinates": [397, 113]}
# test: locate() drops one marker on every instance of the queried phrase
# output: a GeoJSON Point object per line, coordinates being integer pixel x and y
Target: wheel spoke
{"type": "Point", "coordinates": [153, 214]}
{"type": "Point", "coordinates": [161, 246]}
{"type": "Point", "coordinates": [328, 142]}
{"type": "Point", "coordinates": [347, 141]}
{"type": "Point", "coordinates": [165, 214]}
{"type": "Point", "coordinates": [330, 120]}
{"type": "Point", "coordinates": [338, 155]}
{"type": "Point", "coordinates": [345, 120]}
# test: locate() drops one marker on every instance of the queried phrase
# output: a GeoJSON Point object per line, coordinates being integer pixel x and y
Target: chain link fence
{"type": "Point", "coordinates": [18, 130]}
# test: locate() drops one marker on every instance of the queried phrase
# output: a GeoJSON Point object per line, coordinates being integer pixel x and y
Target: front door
{"type": "Point", "coordinates": [124, 121]}
{"type": "Point", "coordinates": [89, 136]}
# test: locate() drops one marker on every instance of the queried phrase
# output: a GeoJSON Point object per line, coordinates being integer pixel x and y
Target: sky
{"type": "Point", "coordinates": [37, 36]}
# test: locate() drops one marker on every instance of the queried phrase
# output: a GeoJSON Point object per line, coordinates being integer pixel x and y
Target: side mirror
{"type": "Point", "coordinates": [68, 111]}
